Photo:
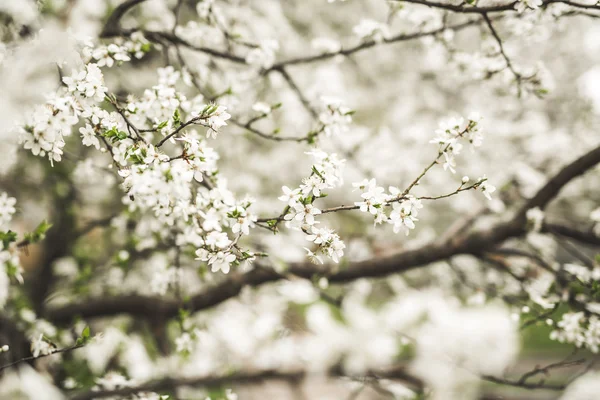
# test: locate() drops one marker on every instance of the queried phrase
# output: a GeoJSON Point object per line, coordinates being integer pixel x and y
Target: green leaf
{"type": "Point", "coordinates": [39, 233]}
{"type": "Point", "coordinates": [177, 117]}
{"type": "Point", "coordinates": [7, 238]}
{"type": "Point", "coordinates": [84, 338]}
{"type": "Point", "coordinates": [114, 135]}
{"type": "Point", "coordinates": [146, 47]}
{"type": "Point", "coordinates": [42, 228]}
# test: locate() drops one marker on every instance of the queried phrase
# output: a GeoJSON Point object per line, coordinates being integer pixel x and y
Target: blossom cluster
{"type": "Point", "coordinates": [405, 208]}
{"type": "Point", "coordinates": [490, 63]}
{"type": "Point", "coordinates": [114, 381]}
{"type": "Point", "coordinates": [578, 329]}
{"type": "Point", "coordinates": [45, 131]}
{"type": "Point", "coordinates": [155, 183]}
{"type": "Point", "coordinates": [121, 50]}
{"type": "Point", "coordinates": [523, 5]}
{"type": "Point", "coordinates": [10, 266]}
{"type": "Point", "coordinates": [334, 116]}
{"type": "Point", "coordinates": [43, 335]}
{"type": "Point", "coordinates": [584, 274]}
{"type": "Point", "coordinates": [300, 211]}
{"type": "Point", "coordinates": [173, 214]}
{"type": "Point", "coordinates": [452, 131]}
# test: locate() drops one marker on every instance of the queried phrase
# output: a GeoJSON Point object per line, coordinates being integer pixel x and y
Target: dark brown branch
{"type": "Point", "coordinates": [368, 44]}
{"type": "Point", "coordinates": [113, 28]}
{"type": "Point", "coordinates": [582, 236]}
{"type": "Point", "coordinates": [32, 358]}
{"type": "Point", "coordinates": [113, 24]}
{"type": "Point", "coordinates": [524, 385]}
{"type": "Point", "coordinates": [518, 76]}
{"type": "Point", "coordinates": [305, 102]}
{"type": "Point", "coordinates": [558, 181]}
{"type": "Point", "coordinates": [575, 252]}
{"type": "Point", "coordinates": [522, 253]}
{"type": "Point", "coordinates": [522, 382]}
{"type": "Point", "coordinates": [176, 40]}
{"type": "Point", "coordinates": [473, 243]}
{"type": "Point", "coordinates": [248, 126]}
{"type": "Point", "coordinates": [467, 9]}
{"type": "Point", "coordinates": [180, 128]}
{"type": "Point", "coordinates": [397, 373]}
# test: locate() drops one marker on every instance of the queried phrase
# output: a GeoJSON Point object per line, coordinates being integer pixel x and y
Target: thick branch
{"type": "Point", "coordinates": [582, 236]}
{"type": "Point", "coordinates": [558, 181]}
{"type": "Point", "coordinates": [474, 243]}
{"type": "Point", "coordinates": [113, 24]}
{"type": "Point", "coordinates": [397, 373]}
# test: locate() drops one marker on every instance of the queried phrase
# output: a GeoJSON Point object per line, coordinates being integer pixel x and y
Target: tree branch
{"type": "Point", "coordinates": [113, 24]}
{"type": "Point", "coordinates": [582, 236]}
{"type": "Point", "coordinates": [473, 243]}
{"type": "Point", "coordinates": [397, 373]}
{"type": "Point", "coordinates": [32, 358]}
{"type": "Point", "coordinates": [371, 43]}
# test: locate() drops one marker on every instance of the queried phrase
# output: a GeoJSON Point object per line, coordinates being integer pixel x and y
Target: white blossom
{"type": "Point", "coordinates": [522, 5]}
{"type": "Point", "coordinates": [7, 208]}
{"type": "Point", "coordinates": [41, 347]}
{"type": "Point", "coordinates": [303, 212]}
{"type": "Point", "coordinates": [535, 217]}
{"type": "Point", "coordinates": [370, 29]}
{"type": "Point", "coordinates": [264, 55]}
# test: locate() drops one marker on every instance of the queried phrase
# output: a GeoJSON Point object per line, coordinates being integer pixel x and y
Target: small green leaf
{"type": "Point", "coordinates": [177, 117]}
{"type": "Point", "coordinates": [146, 47]}
{"type": "Point", "coordinates": [39, 233]}
{"type": "Point", "coordinates": [84, 338]}
{"type": "Point", "coordinates": [7, 238]}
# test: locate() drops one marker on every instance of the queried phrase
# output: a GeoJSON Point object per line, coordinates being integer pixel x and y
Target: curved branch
{"type": "Point", "coordinates": [113, 24]}
{"type": "Point", "coordinates": [460, 8]}
{"type": "Point", "coordinates": [582, 236]}
{"type": "Point", "coordinates": [507, 59]}
{"type": "Point", "coordinates": [467, 9]}
{"type": "Point", "coordinates": [176, 40]}
{"type": "Point", "coordinates": [473, 243]}
{"type": "Point", "coordinates": [558, 181]}
{"type": "Point", "coordinates": [33, 358]}
{"type": "Point", "coordinates": [397, 373]}
{"type": "Point", "coordinates": [371, 43]}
